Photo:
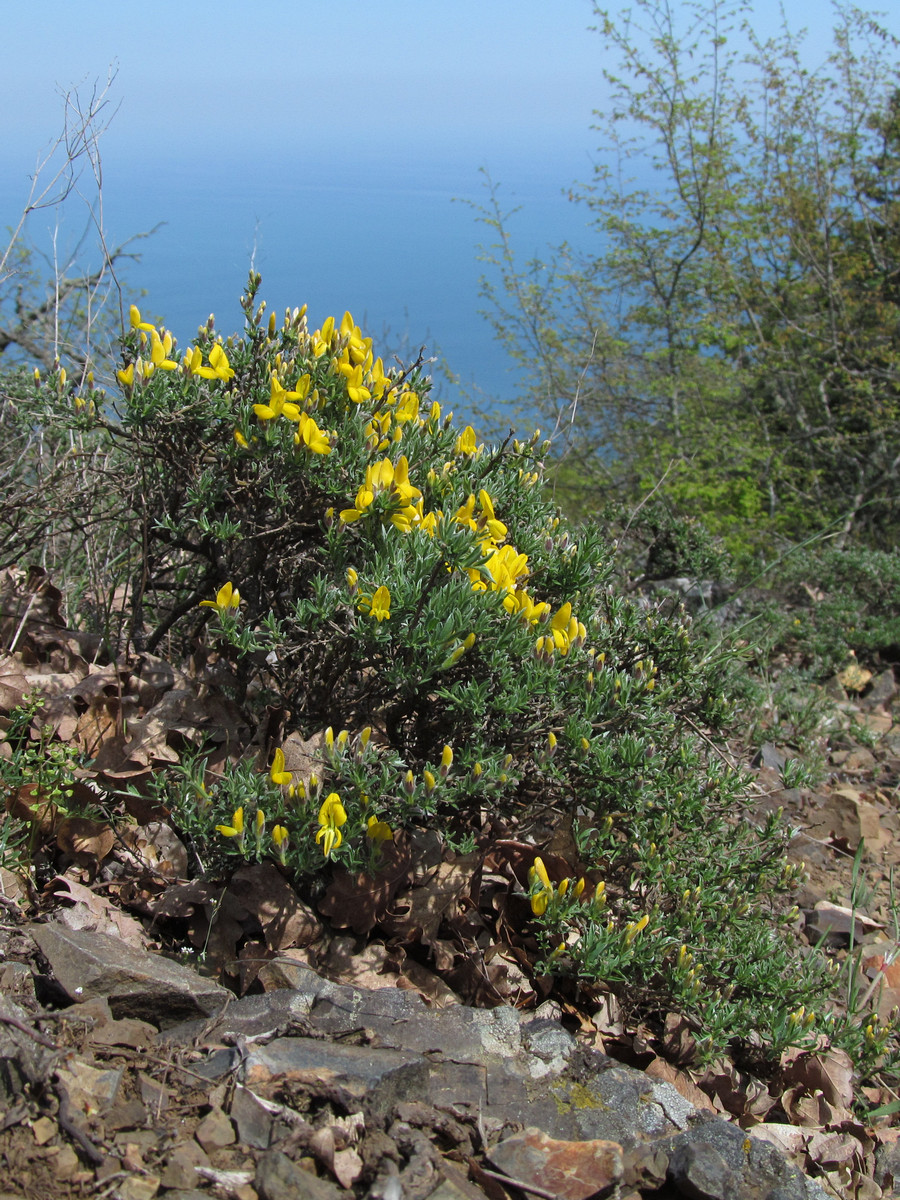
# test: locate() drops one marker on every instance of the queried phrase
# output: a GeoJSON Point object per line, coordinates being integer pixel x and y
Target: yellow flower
{"type": "Point", "coordinates": [541, 887]}
{"type": "Point", "coordinates": [277, 773]}
{"type": "Point", "coordinates": [377, 605]}
{"type": "Point", "coordinates": [379, 831]}
{"type": "Point", "coordinates": [540, 873]}
{"type": "Point", "coordinates": [311, 437]}
{"type": "Point", "coordinates": [240, 440]}
{"type": "Point", "coordinates": [407, 407]}
{"type": "Point", "coordinates": [565, 629]}
{"type": "Point", "coordinates": [160, 349]}
{"type": "Point", "coordinates": [331, 817]}
{"type": "Point", "coordinates": [355, 387]}
{"type": "Point", "coordinates": [446, 760]}
{"type": "Point", "coordinates": [235, 829]}
{"type": "Point", "coordinates": [465, 443]}
{"type": "Point", "coordinates": [134, 316]}
{"type": "Point", "coordinates": [280, 838]}
{"type": "Point", "coordinates": [227, 598]}
{"type": "Point", "coordinates": [126, 376]}
{"type": "Point", "coordinates": [219, 366]}
{"type": "Point", "coordinates": [634, 928]}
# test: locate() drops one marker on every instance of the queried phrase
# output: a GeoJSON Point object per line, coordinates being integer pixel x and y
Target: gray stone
{"type": "Point", "coordinates": [882, 690]}
{"type": "Point", "coordinates": [254, 1122]}
{"type": "Point", "coordinates": [367, 1077]}
{"type": "Point", "coordinates": [180, 1169]}
{"type": "Point", "coordinates": [475, 1035]}
{"type": "Point", "coordinates": [215, 1131]}
{"type": "Point", "coordinates": [717, 1161]}
{"type": "Point", "coordinates": [23, 1061]}
{"type": "Point", "coordinates": [135, 982]}
{"type": "Point", "coordinates": [678, 1110]}
{"type": "Point", "coordinates": [549, 1044]}
{"type": "Point", "coordinates": [277, 1178]}
{"type": "Point", "coordinates": [253, 1018]}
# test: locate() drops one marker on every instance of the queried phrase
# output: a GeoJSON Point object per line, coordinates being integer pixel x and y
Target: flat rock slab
{"type": "Point", "coordinates": [365, 1077]}
{"type": "Point", "coordinates": [568, 1170]}
{"type": "Point", "coordinates": [136, 984]}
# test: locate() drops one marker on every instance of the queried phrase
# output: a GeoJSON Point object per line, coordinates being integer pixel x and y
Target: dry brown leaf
{"type": "Point", "coordinates": [82, 908]}
{"type": "Point", "coordinates": [98, 724]}
{"type": "Point", "coordinates": [368, 965]}
{"type": "Point", "coordinates": [828, 1071]}
{"type": "Point", "coordinates": [265, 894]}
{"type": "Point", "coordinates": [811, 1110]}
{"type": "Point", "coordinates": [86, 842]}
{"type": "Point", "coordinates": [252, 958]}
{"type": "Point", "coordinates": [678, 1040]}
{"type": "Point", "coordinates": [359, 902]}
{"type": "Point", "coordinates": [12, 886]}
{"type": "Point", "coordinates": [304, 757]}
{"type": "Point", "coordinates": [660, 1069]}
{"type": "Point", "coordinates": [14, 685]}
{"type": "Point", "coordinates": [789, 1139]}
{"type": "Point", "coordinates": [29, 803]}
{"type": "Point", "coordinates": [416, 914]}
{"type": "Point", "coordinates": [156, 846]}
{"type": "Point", "coordinates": [829, 1150]}
{"type": "Point", "coordinates": [184, 899]}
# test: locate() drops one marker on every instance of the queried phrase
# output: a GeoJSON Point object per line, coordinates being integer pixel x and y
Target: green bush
{"type": "Point", "coordinates": [365, 570]}
{"type": "Point", "coordinates": [846, 602]}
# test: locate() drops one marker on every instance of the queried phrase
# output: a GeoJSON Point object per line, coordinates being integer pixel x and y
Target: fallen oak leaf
{"type": "Point", "coordinates": [359, 902]}
{"type": "Point", "coordinates": [86, 842]}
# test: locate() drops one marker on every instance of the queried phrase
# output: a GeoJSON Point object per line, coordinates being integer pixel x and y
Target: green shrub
{"type": "Point", "coordinates": [359, 567]}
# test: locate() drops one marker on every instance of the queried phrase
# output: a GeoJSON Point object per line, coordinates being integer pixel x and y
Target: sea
{"type": "Point", "coordinates": [397, 239]}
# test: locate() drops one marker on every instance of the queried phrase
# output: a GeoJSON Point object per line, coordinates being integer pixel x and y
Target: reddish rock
{"type": "Point", "coordinates": [569, 1170]}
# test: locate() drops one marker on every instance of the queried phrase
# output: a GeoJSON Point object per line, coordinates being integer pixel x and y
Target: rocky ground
{"type": "Point", "coordinates": [392, 1042]}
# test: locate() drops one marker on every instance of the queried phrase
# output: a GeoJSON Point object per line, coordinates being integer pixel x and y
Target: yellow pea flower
{"type": "Point", "coordinates": [235, 829]}
{"type": "Point", "coordinates": [125, 376]}
{"type": "Point", "coordinates": [311, 437]}
{"type": "Point", "coordinates": [280, 839]}
{"type": "Point", "coordinates": [540, 873]}
{"type": "Point", "coordinates": [466, 444]}
{"type": "Point", "coordinates": [541, 887]}
{"type": "Point", "coordinates": [331, 817]}
{"type": "Point", "coordinates": [379, 831]}
{"type": "Point", "coordinates": [219, 366]}
{"type": "Point", "coordinates": [160, 349]}
{"type": "Point", "coordinates": [634, 928]}
{"type": "Point", "coordinates": [227, 598]}
{"type": "Point", "coordinates": [377, 605]}
{"type": "Point", "coordinates": [134, 316]}
{"type": "Point", "coordinates": [277, 773]}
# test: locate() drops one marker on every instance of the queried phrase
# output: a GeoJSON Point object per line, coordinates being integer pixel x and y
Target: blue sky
{"type": "Point", "coordinates": [349, 74]}
{"type": "Point", "coordinates": [363, 77]}
{"type": "Point", "coordinates": [332, 136]}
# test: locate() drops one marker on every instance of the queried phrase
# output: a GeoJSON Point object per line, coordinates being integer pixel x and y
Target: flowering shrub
{"type": "Point", "coordinates": [309, 523]}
